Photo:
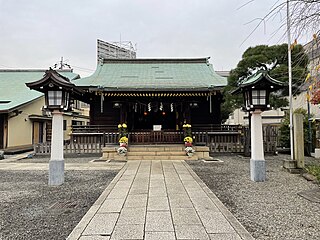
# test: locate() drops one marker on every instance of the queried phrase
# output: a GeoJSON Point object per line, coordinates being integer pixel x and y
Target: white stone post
{"type": "Point", "coordinates": [257, 161]}
{"type": "Point", "coordinates": [56, 163]}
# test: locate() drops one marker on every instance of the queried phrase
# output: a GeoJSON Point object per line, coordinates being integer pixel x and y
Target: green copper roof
{"type": "Point", "coordinates": [258, 77]}
{"type": "Point", "coordinates": [154, 74]}
{"type": "Point", "coordinates": [13, 90]}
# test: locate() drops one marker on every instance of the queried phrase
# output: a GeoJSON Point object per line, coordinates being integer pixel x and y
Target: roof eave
{"type": "Point", "coordinates": [196, 89]}
{"type": "Point", "coordinates": [23, 104]}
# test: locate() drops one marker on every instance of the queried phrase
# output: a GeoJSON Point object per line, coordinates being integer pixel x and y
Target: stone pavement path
{"type": "Point", "coordinates": [158, 200]}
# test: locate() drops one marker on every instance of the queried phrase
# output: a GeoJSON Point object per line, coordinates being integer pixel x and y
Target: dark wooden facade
{"type": "Point", "coordinates": [143, 112]}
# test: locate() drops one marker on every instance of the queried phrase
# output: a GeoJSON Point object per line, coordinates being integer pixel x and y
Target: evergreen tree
{"type": "Point", "coordinates": [252, 58]}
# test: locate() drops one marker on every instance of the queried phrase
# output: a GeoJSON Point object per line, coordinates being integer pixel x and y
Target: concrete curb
{"type": "Point", "coordinates": [16, 158]}
{"type": "Point", "coordinates": [77, 231]}
{"type": "Point", "coordinates": [243, 233]}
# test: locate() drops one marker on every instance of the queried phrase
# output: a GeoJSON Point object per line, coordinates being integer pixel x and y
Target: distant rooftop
{"type": "Point", "coordinates": [14, 92]}
{"type": "Point", "coordinates": [223, 73]}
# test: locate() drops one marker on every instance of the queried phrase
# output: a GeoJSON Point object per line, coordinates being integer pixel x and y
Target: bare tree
{"type": "Point", "coordinates": [304, 17]}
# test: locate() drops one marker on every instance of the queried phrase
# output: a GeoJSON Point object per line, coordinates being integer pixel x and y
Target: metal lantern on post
{"type": "Point", "coordinates": [256, 91]}
{"type": "Point", "coordinates": [57, 90]}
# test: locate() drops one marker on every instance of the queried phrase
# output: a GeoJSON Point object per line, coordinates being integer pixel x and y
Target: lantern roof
{"type": "Point", "coordinates": [260, 79]}
{"type": "Point", "coordinates": [52, 77]}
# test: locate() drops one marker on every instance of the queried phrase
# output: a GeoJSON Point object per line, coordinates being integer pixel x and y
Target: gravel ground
{"type": "Point", "coordinates": [30, 209]}
{"type": "Point", "coordinates": [268, 210]}
{"type": "Point", "coordinates": [66, 160]}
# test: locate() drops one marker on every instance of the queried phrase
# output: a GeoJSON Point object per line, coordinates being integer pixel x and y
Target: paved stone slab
{"type": "Point", "coordinates": [159, 222]}
{"type": "Point", "coordinates": [139, 190]}
{"type": "Point", "coordinates": [157, 183]}
{"type": "Point", "coordinates": [224, 236]}
{"type": "Point", "coordinates": [215, 222]}
{"type": "Point", "coordinates": [184, 216]}
{"type": "Point", "coordinates": [160, 236]}
{"type": "Point", "coordinates": [95, 237]}
{"type": "Point", "coordinates": [101, 224]}
{"type": "Point", "coordinates": [176, 190]}
{"type": "Point", "coordinates": [196, 194]}
{"type": "Point", "coordinates": [204, 204]}
{"type": "Point", "coordinates": [180, 201]}
{"type": "Point", "coordinates": [136, 201]}
{"type": "Point", "coordinates": [191, 232]}
{"type": "Point", "coordinates": [132, 216]}
{"type": "Point", "coordinates": [191, 185]}
{"type": "Point", "coordinates": [111, 205]}
{"type": "Point", "coordinates": [129, 231]}
{"type": "Point", "coordinates": [186, 177]}
{"type": "Point", "coordinates": [118, 193]}
{"type": "Point", "coordinates": [125, 183]}
{"type": "Point", "coordinates": [158, 204]}
{"type": "Point", "coordinates": [153, 192]}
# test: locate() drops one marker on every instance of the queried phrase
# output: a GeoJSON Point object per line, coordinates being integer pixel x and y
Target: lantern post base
{"type": "Point", "coordinates": [56, 172]}
{"type": "Point", "coordinates": [258, 170]}
{"type": "Point", "coordinates": [56, 163]}
{"type": "Point", "coordinates": [257, 162]}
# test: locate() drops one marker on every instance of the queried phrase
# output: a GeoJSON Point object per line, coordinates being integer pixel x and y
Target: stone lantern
{"type": "Point", "coordinates": [57, 90]}
{"type": "Point", "coordinates": [256, 91]}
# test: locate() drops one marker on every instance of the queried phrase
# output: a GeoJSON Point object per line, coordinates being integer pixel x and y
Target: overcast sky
{"type": "Point", "coordinates": [37, 33]}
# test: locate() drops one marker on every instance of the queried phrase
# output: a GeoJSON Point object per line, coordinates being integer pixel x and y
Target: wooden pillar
{"type": "Point", "coordinates": [187, 112]}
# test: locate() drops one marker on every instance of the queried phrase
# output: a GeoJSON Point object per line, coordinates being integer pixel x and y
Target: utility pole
{"type": "Point", "coordinates": [290, 81]}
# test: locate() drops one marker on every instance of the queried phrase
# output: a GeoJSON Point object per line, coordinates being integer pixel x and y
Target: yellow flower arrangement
{"type": "Point", "coordinates": [188, 139]}
{"type": "Point", "coordinates": [186, 126]}
{"type": "Point", "coordinates": [122, 125]}
{"type": "Point", "coordinates": [123, 140]}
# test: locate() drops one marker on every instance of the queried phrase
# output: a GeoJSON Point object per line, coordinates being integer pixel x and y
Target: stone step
{"type": "Point", "coordinates": [175, 153]}
{"type": "Point", "coordinates": [129, 158]}
{"type": "Point", "coordinates": [160, 148]}
{"type": "Point", "coordinates": [156, 152]}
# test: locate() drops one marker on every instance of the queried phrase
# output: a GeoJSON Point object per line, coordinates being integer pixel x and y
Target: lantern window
{"type": "Point", "coordinates": [54, 98]}
{"type": "Point", "coordinates": [258, 97]}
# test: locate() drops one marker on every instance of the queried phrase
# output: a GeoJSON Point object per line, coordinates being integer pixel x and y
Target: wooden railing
{"type": "Point", "coordinates": [94, 128]}
{"type": "Point", "coordinates": [45, 148]}
{"type": "Point", "coordinates": [95, 137]}
{"type": "Point", "coordinates": [219, 138]}
{"type": "Point", "coordinates": [216, 128]}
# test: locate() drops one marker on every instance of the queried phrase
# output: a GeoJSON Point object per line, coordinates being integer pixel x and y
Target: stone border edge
{"type": "Point", "coordinates": [80, 227]}
{"type": "Point", "coordinates": [239, 228]}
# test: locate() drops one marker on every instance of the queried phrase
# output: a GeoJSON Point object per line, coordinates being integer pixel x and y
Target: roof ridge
{"type": "Point", "coordinates": [157, 60]}
{"type": "Point", "coordinates": [34, 70]}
